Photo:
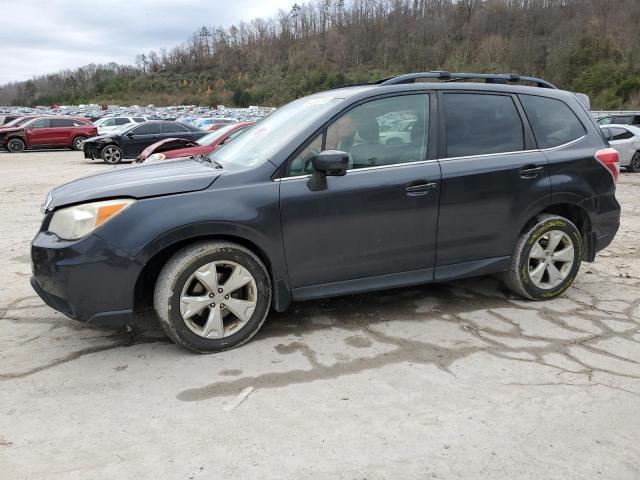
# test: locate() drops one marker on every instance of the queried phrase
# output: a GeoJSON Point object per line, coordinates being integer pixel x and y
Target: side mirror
{"type": "Point", "coordinates": [130, 134]}
{"type": "Point", "coordinates": [331, 163]}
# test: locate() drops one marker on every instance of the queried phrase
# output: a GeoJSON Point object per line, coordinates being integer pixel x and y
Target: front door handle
{"type": "Point", "coordinates": [530, 171]}
{"type": "Point", "coordinates": [421, 188]}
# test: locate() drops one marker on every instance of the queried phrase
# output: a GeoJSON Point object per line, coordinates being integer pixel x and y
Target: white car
{"type": "Point", "coordinates": [111, 124]}
{"type": "Point", "coordinates": [626, 140]}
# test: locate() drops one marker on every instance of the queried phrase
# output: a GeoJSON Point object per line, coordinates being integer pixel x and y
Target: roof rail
{"type": "Point", "coordinates": [502, 78]}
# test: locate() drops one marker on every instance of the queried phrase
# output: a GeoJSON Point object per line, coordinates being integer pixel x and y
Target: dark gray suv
{"type": "Point", "coordinates": [351, 190]}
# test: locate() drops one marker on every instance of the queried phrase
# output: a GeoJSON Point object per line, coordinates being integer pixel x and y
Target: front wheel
{"type": "Point", "coordinates": [111, 154]}
{"type": "Point", "coordinates": [15, 145]}
{"type": "Point", "coordinates": [212, 296]}
{"type": "Point", "coordinates": [546, 259]}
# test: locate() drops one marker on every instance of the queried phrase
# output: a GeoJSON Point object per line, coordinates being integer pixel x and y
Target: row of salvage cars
{"type": "Point", "coordinates": [139, 140]}
{"type": "Point", "coordinates": [159, 140]}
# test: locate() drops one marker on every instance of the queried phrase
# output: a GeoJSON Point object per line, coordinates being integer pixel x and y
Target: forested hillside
{"type": "Point", "coordinates": [589, 46]}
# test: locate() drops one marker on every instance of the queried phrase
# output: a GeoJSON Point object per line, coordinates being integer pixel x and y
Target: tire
{"type": "Point", "coordinates": [111, 154]}
{"type": "Point", "coordinates": [187, 323]}
{"type": "Point", "coordinates": [15, 145]}
{"type": "Point", "coordinates": [530, 257]}
{"type": "Point", "coordinates": [78, 143]}
{"type": "Point", "coordinates": [634, 165]}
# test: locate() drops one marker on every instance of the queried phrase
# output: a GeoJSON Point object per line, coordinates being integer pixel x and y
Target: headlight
{"type": "Point", "coordinates": [155, 157]}
{"type": "Point", "coordinates": [75, 222]}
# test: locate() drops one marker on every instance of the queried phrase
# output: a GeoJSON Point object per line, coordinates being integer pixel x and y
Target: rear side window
{"type": "Point", "coordinates": [173, 128]}
{"type": "Point", "coordinates": [619, 134]}
{"type": "Point", "coordinates": [122, 121]}
{"type": "Point", "coordinates": [625, 119]}
{"type": "Point", "coordinates": [61, 122]}
{"type": "Point", "coordinates": [150, 128]}
{"type": "Point", "coordinates": [139, 120]}
{"type": "Point", "coordinates": [480, 124]}
{"type": "Point", "coordinates": [552, 121]}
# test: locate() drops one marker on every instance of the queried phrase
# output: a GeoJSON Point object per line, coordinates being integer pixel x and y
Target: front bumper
{"type": "Point", "coordinates": [87, 280]}
{"type": "Point", "coordinates": [91, 151]}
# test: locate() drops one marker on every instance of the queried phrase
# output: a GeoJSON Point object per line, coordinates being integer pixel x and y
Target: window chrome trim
{"type": "Point", "coordinates": [365, 169]}
{"type": "Point", "coordinates": [422, 162]}
{"type": "Point", "coordinates": [550, 149]}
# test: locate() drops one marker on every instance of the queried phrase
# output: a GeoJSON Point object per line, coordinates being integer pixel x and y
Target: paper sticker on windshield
{"type": "Point", "coordinates": [318, 100]}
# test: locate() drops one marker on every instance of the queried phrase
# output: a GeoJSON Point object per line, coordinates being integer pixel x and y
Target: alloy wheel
{"type": "Point", "coordinates": [551, 259]}
{"type": "Point", "coordinates": [111, 155]}
{"type": "Point", "coordinates": [218, 299]}
{"type": "Point", "coordinates": [634, 166]}
{"type": "Point", "coordinates": [79, 143]}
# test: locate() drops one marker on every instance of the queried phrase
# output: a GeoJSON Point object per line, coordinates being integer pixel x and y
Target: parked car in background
{"type": "Point", "coordinates": [48, 132]}
{"type": "Point", "coordinates": [17, 122]}
{"type": "Point", "coordinates": [205, 122]}
{"type": "Point", "coordinates": [213, 126]}
{"type": "Point", "coordinates": [498, 179]}
{"type": "Point", "coordinates": [188, 120]}
{"type": "Point", "coordinates": [626, 140]}
{"type": "Point", "coordinates": [176, 147]}
{"type": "Point", "coordinates": [111, 124]}
{"type": "Point", "coordinates": [133, 138]}
{"type": "Point", "coordinates": [5, 119]}
{"type": "Point", "coordinates": [623, 119]}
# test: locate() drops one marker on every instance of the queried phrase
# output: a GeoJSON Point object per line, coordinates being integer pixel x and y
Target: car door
{"type": "Point", "coordinates": [139, 138]}
{"type": "Point", "coordinates": [370, 227]}
{"type": "Point", "coordinates": [493, 180]}
{"type": "Point", "coordinates": [623, 141]}
{"type": "Point", "coordinates": [61, 130]}
{"type": "Point", "coordinates": [39, 133]}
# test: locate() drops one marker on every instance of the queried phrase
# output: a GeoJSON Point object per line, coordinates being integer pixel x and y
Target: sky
{"type": "Point", "coordinates": [45, 36]}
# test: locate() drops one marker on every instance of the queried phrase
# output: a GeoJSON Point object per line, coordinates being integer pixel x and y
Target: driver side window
{"type": "Point", "coordinates": [386, 131]}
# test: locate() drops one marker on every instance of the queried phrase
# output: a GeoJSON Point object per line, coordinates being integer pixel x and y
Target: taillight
{"type": "Point", "coordinates": [610, 159]}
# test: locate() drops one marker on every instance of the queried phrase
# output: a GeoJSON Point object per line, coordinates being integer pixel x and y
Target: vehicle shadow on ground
{"type": "Point", "coordinates": [568, 335]}
{"type": "Point", "coordinates": [435, 324]}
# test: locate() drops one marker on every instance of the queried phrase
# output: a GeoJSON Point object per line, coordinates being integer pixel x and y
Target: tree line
{"type": "Point", "coordinates": [588, 46]}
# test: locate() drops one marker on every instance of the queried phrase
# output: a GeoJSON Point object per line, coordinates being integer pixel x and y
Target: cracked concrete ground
{"type": "Point", "coordinates": [456, 380]}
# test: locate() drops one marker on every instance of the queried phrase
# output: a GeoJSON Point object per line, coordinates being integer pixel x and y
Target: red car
{"type": "Point", "coordinates": [17, 122]}
{"type": "Point", "coordinates": [48, 132]}
{"type": "Point", "coordinates": [177, 147]}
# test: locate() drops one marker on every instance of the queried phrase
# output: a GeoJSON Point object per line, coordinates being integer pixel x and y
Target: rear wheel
{"type": "Point", "coordinates": [111, 154]}
{"type": "Point", "coordinates": [634, 165]}
{"type": "Point", "coordinates": [15, 145]}
{"type": "Point", "coordinates": [78, 143]}
{"type": "Point", "coordinates": [212, 296]}
{"type": "Point", "coordinates": [546, 259]}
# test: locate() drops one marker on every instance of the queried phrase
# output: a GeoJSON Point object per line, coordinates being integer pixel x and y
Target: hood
{"type": "Point", "coordinates": [102, 137]}
{"type": "Point", "coordinates": [10, 129]}
{"type": "Point", "coordinates": [139, 181]}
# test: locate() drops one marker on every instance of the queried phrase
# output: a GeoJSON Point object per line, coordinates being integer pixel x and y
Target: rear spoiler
{"type": "Point", "coordinates": [584, 98]}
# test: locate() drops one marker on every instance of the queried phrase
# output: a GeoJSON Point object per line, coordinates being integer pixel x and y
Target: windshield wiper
{"type": "Point", "coordinates": [206, 158]}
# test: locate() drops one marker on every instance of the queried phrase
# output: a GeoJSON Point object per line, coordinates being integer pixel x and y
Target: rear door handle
{"type": "Point", "coordinates": [421, 188]}
{"type": "Point", "coordinates": [530, 171]}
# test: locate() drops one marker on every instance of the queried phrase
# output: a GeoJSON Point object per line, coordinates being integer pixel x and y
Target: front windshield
{"type": "Point", "coordinates": [259, 143]}
{"type": "Point", "coordinates": [215, 135]}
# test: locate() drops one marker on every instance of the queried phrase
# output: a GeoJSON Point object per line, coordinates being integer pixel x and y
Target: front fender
{"type": "Point", "coordinates": [248, 214]}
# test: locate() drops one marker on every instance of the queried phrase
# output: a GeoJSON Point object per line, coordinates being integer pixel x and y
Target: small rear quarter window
{"type": "Point", "coordinates": [552, 121]}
